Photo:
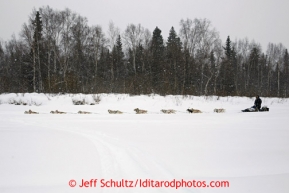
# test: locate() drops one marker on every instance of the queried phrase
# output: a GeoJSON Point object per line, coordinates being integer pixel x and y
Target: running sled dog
{"type": "Point", "coordinates": [219, 110]}
{"type": "Point", "coordinates": [139, 111]}
{"type": "Point", "coordinates": [114, 112]}
{"type": "Point", "coordinates": [83, 112]}
{"type": "Point", "coordinates": [168, 111]}
{"type": "Point", "coordinates": [30, 112]}
{"type": "Point", "coordinates": [57, 112]}
{"type": "Point", "coordinates": [194, 110]}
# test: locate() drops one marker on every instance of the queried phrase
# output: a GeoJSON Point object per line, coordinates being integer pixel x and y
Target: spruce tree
{"type": "Point", "coordinates": [130, 61]}
{"type": "Point", "coordinates": [157, 52]}
{"type": "Point", "coordinates": [120, 67]}
{"type": "Point", "coordinates": [1, 52]}
{"type": "Point", "coordinates": [234, 63]}
{"type": "Point", "coordinates": [174, 46]}
{"type": "Point", "coordinates": [37, 54]}
{"type": "Point", "coordinates": [286, 73]}
{"type": "Point", "coordinates": [263, 72]}
{"type": "Point", "coordinates": [228, 48]}
{"type": "Point", "coordinates": [139, 59]}
{"type": "Point", "coordinates": [253, 72]}
{"type": "Point", "coordinates": [174, 57]}
{"type": "Point", "coordinates": [228, 74]}
{"type": "Point", "coordinates": [101, 64]}
{"type": "Point", "coordinates": [118, 59]}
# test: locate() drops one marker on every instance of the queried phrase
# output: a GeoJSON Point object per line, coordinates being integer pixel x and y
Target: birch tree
{"type": "Point", "coordinates": [97, 41]}
{"type": "Point", "coordinates": [133, 37]}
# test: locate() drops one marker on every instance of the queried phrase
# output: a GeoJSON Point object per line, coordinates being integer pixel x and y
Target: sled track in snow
{"type": "Point", "coordinates": [118, 159]}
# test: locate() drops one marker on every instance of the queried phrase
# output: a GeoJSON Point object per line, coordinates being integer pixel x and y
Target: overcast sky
{"type": "Point", "coordinates": [262, 20]}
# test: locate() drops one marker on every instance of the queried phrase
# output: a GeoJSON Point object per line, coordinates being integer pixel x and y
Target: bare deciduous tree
{"type": "Point", "coordinates": [97, 41]}
{"type": "Point", "coordinates": [133, 37]}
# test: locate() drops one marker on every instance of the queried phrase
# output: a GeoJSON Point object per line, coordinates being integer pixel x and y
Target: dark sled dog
{"type": "Point", "coordinates": [194, 110]}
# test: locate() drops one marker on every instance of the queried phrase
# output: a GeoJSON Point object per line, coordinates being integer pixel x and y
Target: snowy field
{"type": "Point", "coordinates": [41, 153]}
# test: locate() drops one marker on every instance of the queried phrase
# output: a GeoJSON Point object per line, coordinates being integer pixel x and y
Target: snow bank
{"type": "Point", "coordinates": [125, 102]}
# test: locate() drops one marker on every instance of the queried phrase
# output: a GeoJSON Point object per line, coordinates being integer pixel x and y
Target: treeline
{"type": "Point", "coordinates": [58, 52]}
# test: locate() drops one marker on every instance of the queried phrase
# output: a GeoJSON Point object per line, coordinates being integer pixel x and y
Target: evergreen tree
{"type": "Point", "coordinates": [157, 51]}
{"type": "Point", "coordinates": [130, 61]}
{"type": "Point", "coordinates": [227, 71]}
{"type": "Point", "coordinates": [117, 66]}
{"type": "Point", "coordinates": [28, 71]}
{"type": "Point", "coordinates": [228, 48]}
{"type": "Point", "coordinates": [263, 73]}
{"type": "Point", "coordinates": [120, 68]}
{"type": "Point", "coordinates": [174, 44]}
{"type": "Point", "coordinates": [2, 63]}
{"type": "Point", "coordinates": [253, 72]}
{"type": "Point", "coordinates": [1, 53]}
{"type": "Point", "coordinates": [37, 54]}
{"type": "Point", "coordinates": [286, 74]}
{"type": "Point", "coordinates": [102, 64]}
{"type": "Point", "coordinates": [102, 72]}
{"type": "Point", "coordinates": [234, 63]}
{"type": "Point", "coordinates": [174, 57]}
{"type": "Point", "coordinates": [139, 59]}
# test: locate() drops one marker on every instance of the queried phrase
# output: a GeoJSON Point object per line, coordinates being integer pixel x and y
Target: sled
{"type": "Point", "coordinates": [263, 109]}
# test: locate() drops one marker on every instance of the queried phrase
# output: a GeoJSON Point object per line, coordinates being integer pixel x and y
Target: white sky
{"type": "Point", "coordinates": [262, 20]}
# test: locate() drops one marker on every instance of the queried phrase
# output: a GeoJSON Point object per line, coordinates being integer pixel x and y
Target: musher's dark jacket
{"type": "Point", "coordinates": [258, 103]}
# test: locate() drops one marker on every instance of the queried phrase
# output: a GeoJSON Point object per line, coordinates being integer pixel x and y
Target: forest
{"type": "Point", "coordinates": [58, 52]}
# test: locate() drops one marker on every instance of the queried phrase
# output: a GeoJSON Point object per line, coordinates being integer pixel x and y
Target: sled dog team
{"type": "Point", "coordinates": [255, 108]}
{"type": "Point", "coordinates": [137, 111]}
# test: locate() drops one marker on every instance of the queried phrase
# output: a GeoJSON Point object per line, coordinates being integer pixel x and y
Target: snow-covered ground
{"type": "Point", "coordinates": [43, 152]}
